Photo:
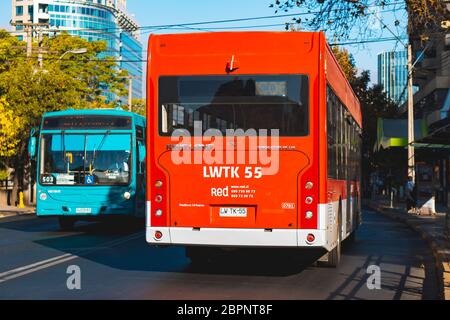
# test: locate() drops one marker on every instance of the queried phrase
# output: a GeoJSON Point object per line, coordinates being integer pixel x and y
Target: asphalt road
{"type": "Point", "coordinates": [116, 263]}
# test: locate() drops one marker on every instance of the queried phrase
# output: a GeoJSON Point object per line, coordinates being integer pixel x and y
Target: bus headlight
{"type": "Point", "coordinates": [127, 195]}
{"type": "Point", "coordinates": [308, 214]}
{"type": "Point", "coordinates": [43, 196]}
{"type": "Point", "coordinates": [158, 213]}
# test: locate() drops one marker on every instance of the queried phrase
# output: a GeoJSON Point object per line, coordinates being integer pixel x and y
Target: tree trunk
{"type": "Point", "coordinates": [15, 190]}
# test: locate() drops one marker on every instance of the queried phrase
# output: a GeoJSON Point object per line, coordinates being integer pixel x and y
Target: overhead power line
{"type": "Point", "coordinates": [199, 23]}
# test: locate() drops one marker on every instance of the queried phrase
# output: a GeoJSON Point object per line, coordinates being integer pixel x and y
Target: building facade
{"type": "Point", "coordinates": [94, 20]}
{"type": "Point", "coordinates": [432, 101]}
{"type": "Point", "coordinates": [393, 74]}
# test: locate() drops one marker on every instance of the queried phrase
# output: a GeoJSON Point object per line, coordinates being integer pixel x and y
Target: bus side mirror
{"type": "Point", "coordinates": [32, 144]}
{"type": "Point", "coordinates": [32, 148]}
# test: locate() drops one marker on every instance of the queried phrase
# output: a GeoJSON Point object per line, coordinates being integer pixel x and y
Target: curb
{"type": "Point", "coordinates": [8, 214]}
{"type": "Point", "coordinates": [440, 253]}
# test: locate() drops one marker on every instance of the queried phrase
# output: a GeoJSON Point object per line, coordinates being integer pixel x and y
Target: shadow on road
{"type": "Point", "coordinates": [399, 252]}
{"type": "Point", "coordinates": [120, 244]}
{"type": "Point", "coordinates": [137, 255]}
{"type": "Point", "coordinates": [45, 226]}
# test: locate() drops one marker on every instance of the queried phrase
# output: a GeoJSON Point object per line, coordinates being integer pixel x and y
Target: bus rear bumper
{"type": "Point", "coordinates": [228, 237]}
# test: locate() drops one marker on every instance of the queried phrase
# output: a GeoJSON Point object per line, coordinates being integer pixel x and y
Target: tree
{"type": "Point", "coordinates": [10, 48]}
{"type": "Point", "coordinates": [93, 71]}
{"type": "Point", "coordinates": [374, 104]}
{"type": "Point", "coordinates": [65, 81]}
{"type": "Point", "coordinates": [139, 107]}
{"type": "Point", "coordinates": [342, 18]}
{"type": "Point", "coordinates": [346, 61]}
{"type": "Point", "coordinates": [10, 127]}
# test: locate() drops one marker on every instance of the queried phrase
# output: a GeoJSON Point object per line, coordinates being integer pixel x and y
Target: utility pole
{"type": "Point", "coordinates": [411, 155]}
{"type": "Point", "coordinates": [29, 31]}
{"type": "Point", "coordinates": [29, 28]}
{"type": "Point", "coordinates": [130, 93]}
{"type": "Point", "coordinates": [40, 58]}
{"type": "Point", "coordinates": [130, 90]}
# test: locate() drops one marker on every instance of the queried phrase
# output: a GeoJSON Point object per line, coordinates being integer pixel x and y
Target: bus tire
{"type": "Point", "coordinates": [66, 223]}
{"type": "Point", "coordinates": [351, 237]}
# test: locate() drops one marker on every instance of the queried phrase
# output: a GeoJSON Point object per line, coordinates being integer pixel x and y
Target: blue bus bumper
{"type": "Point", "coordinates": [83, 210]}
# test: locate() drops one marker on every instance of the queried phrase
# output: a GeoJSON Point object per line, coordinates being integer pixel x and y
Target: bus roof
{"type": "Point", "coordinates": [276, 42]}
{"type": "Point", "coordinates": [110, 112]}
{"type": "Point", "coordinates": [252, 49]}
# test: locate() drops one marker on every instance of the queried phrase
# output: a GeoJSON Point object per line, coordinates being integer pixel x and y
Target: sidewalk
{"type": "Point", "coordinates": [10, 211]}
{"type": "Point", "coordinates": [431, 228]}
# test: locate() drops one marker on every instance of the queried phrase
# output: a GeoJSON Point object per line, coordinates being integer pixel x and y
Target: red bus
{"type": "Point", "coordinates": [254, 141]}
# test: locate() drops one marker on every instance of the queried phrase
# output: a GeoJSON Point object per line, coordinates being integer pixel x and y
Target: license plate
{"type": "Point", "coordinates": [83, 210]}
{"type": "Point", "coordinates": [233, 212]}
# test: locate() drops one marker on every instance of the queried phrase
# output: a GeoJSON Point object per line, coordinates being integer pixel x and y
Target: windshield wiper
{"type": "Point", "coordinates": [98, 149]}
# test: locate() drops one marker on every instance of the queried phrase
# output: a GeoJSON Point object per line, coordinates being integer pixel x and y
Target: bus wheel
{"type": "Point", "coordinates": [66, 223]}
{"type": "Point", "coordinates": [351, 238]}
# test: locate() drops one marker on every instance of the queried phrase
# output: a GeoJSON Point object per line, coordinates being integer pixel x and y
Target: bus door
{"type": "Point", "coordinates": [140, 171]}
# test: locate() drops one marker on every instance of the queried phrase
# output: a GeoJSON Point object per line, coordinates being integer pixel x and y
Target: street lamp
{"type": "Point", "coordinates": [74, 51]}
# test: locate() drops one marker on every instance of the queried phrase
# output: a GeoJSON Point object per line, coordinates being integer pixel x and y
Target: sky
{"type": "Point", "coordinates": [157, 12]}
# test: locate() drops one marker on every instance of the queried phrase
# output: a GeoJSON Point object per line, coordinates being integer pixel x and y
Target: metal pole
{"type": "Point", "coordinates": [411, 155]}
{"type": "Point", "coordinates": [130, 93]}
{"type": "Point", "coordinates": [40, 57]}
{"type": "Point", "coordinates": [29, 31]}
{"type": "Point", "coordinates": [392, 199]}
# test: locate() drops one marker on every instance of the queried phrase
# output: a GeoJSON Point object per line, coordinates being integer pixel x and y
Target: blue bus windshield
{"type": "Point", "coordinates": [85, 159]}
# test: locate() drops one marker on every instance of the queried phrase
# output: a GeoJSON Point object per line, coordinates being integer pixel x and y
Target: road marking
{"type": "Point", "coordinates": [44, 264]}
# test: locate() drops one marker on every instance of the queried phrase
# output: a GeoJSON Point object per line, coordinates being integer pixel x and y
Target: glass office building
{"type": "Point", "coordinates": [94, 20]}
{"type": "Point", "coordinates": [393, 74]}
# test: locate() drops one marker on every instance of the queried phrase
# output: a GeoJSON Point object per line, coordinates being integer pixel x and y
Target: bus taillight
{"type": "Point", "coordinates": [310, 238]}
{"type": "Point", "coordinates": [158, 235]}
{"type": "Point", "coordinates": [159, 200]}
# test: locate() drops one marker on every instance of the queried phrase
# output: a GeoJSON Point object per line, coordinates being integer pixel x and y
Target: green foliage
{"type": "Point", "coordinates": [346, 61]}
{"type": "Point", "coordinates": [92, 71]}
{"type": "Point", "coordinates": [10, 50]}
{"type": "Point", "coordinates": [10, 127]}
{"type": "Point", "coordinates": [139, 107]}
{"type": "Point", "coordinates": [65, 80]}
{"type": "Point", "coordinates": [374, 104]}
{"type": "Point", "coordinates": [4, 174]}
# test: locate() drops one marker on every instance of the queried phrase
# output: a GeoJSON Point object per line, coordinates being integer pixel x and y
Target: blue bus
{"type": "Point", "coordinates": [90, 165]}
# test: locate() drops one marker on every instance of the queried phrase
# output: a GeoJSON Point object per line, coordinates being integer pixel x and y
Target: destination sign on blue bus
{"type": "Point", "coordinates": [87, 122]}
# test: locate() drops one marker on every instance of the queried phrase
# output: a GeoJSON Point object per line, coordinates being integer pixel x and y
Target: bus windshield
{"type": "Point", "coordinates": [85, 159]}
{"type": "Point", "coordinates": [199, 103]}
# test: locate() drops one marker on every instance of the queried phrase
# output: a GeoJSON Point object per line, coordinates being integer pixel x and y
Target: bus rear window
{"type": "Point", "coordinates": [199, 103]}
